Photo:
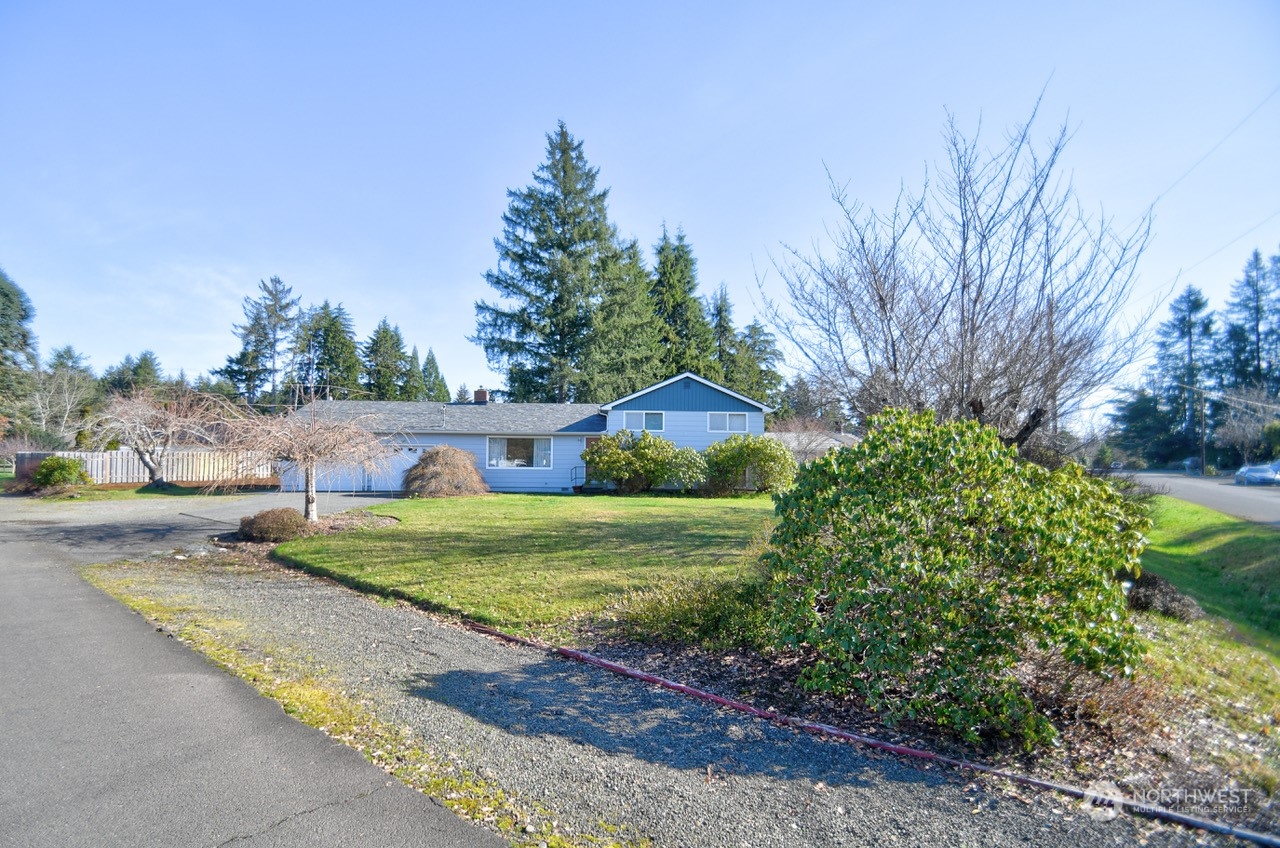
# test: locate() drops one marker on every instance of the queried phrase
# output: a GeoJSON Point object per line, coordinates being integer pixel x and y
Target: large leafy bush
{"type": "Point", "coordinates": [638, 463]}
{"type": "Point", "coordinates": [756, 462]}
{"type": "Point", "coordinates": [59, 472]}
{"type": "Point", "coordinates": [917, 566]}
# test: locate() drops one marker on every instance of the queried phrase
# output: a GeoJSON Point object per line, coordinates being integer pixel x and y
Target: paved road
{"type": "Point", "coordinates": [1253, 503]}
{"type": "Point", "coordinates": [113, 734]}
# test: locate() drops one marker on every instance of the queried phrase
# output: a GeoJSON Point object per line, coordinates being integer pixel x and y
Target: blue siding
{"type": "Point", "coordinates": [565, 472]}
{"type": "Point", "coordinates": [689, 429]}
{"type": "Point", "coordinates": [687, 396]}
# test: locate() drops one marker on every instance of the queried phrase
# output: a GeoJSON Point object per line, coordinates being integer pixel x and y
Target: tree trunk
{"type": "Point", "coordinates": [155, 470]}
{"type": "Point", "coordinates": [310, 511]}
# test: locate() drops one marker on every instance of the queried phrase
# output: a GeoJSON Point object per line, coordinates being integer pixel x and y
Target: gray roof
{"type": "Point", "coordinates": [387, 417]}
{"type": "Point", "coordinates": [814, 443]}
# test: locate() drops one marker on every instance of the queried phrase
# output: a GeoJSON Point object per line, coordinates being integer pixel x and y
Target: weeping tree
{"type": "Point", "coordinates": [989, 294]}
{"type": "Point", "coordinates": [314, 439]}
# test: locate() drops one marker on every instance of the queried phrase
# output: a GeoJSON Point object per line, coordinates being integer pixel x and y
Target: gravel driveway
{"type": "Point", "coordinates": [602, 752]}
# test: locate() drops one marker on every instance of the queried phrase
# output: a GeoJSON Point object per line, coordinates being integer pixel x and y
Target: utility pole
{"type": "Point", "coordinates": [1203, 468]}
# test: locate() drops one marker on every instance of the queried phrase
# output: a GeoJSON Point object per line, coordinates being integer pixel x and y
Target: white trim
{"type": "Point", "coordinates": [746, 422]}
{"type": "Point", "coordinates": [644, 414]}
{"type": "Point", "coordinates": [551, 452]}
{"type": "Point", "coordinates": [608, 407]}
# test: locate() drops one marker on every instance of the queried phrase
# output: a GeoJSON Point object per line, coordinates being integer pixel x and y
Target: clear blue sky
{"type": "Point", "coordinates": [159, 159]}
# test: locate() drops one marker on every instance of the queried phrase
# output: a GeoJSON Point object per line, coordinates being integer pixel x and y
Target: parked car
{"type": "Point", "coordinates": [1258, 475]}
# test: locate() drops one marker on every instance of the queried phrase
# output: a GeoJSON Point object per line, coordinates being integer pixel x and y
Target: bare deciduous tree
{"type": "Point", "coordinates": [312, 440]}
{"type": "Point", "coordinates": [990, 294]}
{"type": "Point", "coordinates": [1247, 412]}
{"type": "Point", "coordinates": [58, 400]}
{"type": "Point", "coordinates": [151, 424]}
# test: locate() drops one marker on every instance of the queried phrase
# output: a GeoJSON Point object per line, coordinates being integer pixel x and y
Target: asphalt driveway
{"type": "Point", "coordinates": [114, 734]}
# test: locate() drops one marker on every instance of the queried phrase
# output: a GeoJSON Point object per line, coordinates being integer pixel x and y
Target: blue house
{"type": "Point", "coordinates": [533, 447]}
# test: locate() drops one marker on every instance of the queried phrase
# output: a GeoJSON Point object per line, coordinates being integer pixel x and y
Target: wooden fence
{"type": "Point", "coordinates": [179, 466]}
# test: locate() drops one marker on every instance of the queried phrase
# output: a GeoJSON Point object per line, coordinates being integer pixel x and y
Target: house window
{"type": "Point", "coordinates": [727, 422]}
{"type": "Point", "coordinates": [637, 421]}
{"type": "Point", "coordinates": [519, 453]}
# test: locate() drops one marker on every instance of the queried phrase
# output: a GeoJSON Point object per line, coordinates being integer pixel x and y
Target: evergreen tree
{"type": "Point", "coordinates": [384, 363]}
{"type": "Point", "coordinates": [414, 386]}
{"type": "Point", "coordinates": [463, 395]}
{"type": "Point", "coordinates": [437, 389]}
{"type": "Point", "coordinates": [686, 335]}
{"type": "Point", "coordinates": [250, 369]}
{"type": "Point", "coordinates": [270, 320]}
{"type": "Point", "coordinates": [556, 238]}
{"type": "Point", "coordinates": [133, 375]}
{"type": "Point", "coordinates": [326, 360]}
{"type": "Point", "coordinates": [17, 344]}
{"type": "Point", "coordinates": [725, 345]}
{"type": "Point", "coordinates": [1245, 346]}
{"type": "Point", "coordinates": [624, 353]}
{"type": "Point", "coordinates": [1145, 428]}
{"type": "Point", "coordinates": [754, 372]}
{"type": "Point", "coordinates": [800, 403]}
{"type": "Point", "coordinates": [17, 347]}
{"type": "Point", "coordinates": [280, 317]}
{"type": "Point", "coordinates": [1183, 351]}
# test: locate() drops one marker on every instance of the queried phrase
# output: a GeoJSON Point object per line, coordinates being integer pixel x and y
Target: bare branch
{"type": "Point", "coordinates": [992, 289]}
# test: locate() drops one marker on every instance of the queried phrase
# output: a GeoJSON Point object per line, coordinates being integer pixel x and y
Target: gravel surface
{"type": "Point", "coordinates": [605, 755]}
{"type": "Point", "coordinates": [599, 750]}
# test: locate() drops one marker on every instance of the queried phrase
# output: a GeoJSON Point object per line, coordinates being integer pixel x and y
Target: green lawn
{"type": "Point", "coordinates": [129, 493]}
{"type": "Point", "coordinates": [526, 562]}
{"type": "Point", "coordinates": [1231, 567]}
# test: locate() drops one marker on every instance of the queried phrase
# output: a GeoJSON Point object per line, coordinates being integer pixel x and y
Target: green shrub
{"type": "Point", "coordinates": [688, 469]}
{"type": "Point", "coordinates": [58, 472]}
{"type": "Point", "coordinates": [756, 462]}
{"type": "Point", "coordinates": [715, 613]}
{"type": "Point", "coordinates": [638, 463]}
{"type": "Point", "coordinates": [917, 565]}
{"type": "Point", "coordinates": [273, 525]}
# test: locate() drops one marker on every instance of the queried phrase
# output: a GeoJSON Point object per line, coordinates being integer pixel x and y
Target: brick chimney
{"type": "Point", "coordinates": [482, 396]}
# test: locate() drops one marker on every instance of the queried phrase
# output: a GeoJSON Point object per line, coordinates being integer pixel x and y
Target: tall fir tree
{"type": "Point", "coordinates": [384, 363]}
{"type": "Point", "coordinates": [1252, 309]}
{"type": "Point", "coordinates": [279, 317]}
{"type": "Point", "coordinates": [624, 353]}
{"type": "Point", "coordinates": [725, 338]}
{"type": "Point", "coordinates": [18, 356]}
{"type": "Point", "coordinates": [755, 365]}
{"type": "Point", "coordinates": [326, 361]}
{"type": "Point", "coordinates": [686, 336]}
{"type": "Point", "coordinates": [1183, 352]}
{"type": "Point", "coordinates": [133, 375]}
{"type": "Point", "coordinates": [437, 389]}
{"type": "Point", "coordinates": [269, 322]}
{"type": "Point", "coordinates": [555, 242]}
{"type": "Point", "coordinates": [414, 386]}
{"type": "Point", "coordinates": [249, 370]}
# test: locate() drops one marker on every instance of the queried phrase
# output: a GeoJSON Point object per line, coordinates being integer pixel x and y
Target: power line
{"type": "Point", "coordinates": [1221, 142]}
{"type": "Point", "coordinates": [1256, 226]}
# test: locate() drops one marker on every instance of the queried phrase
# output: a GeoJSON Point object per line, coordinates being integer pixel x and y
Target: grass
{"type": "Point", "coordinates": [122, 492]}
{"type": "Point", "coordinates": [532, 562]}
{"type": "Point", "coordinates": [1230, 566]}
